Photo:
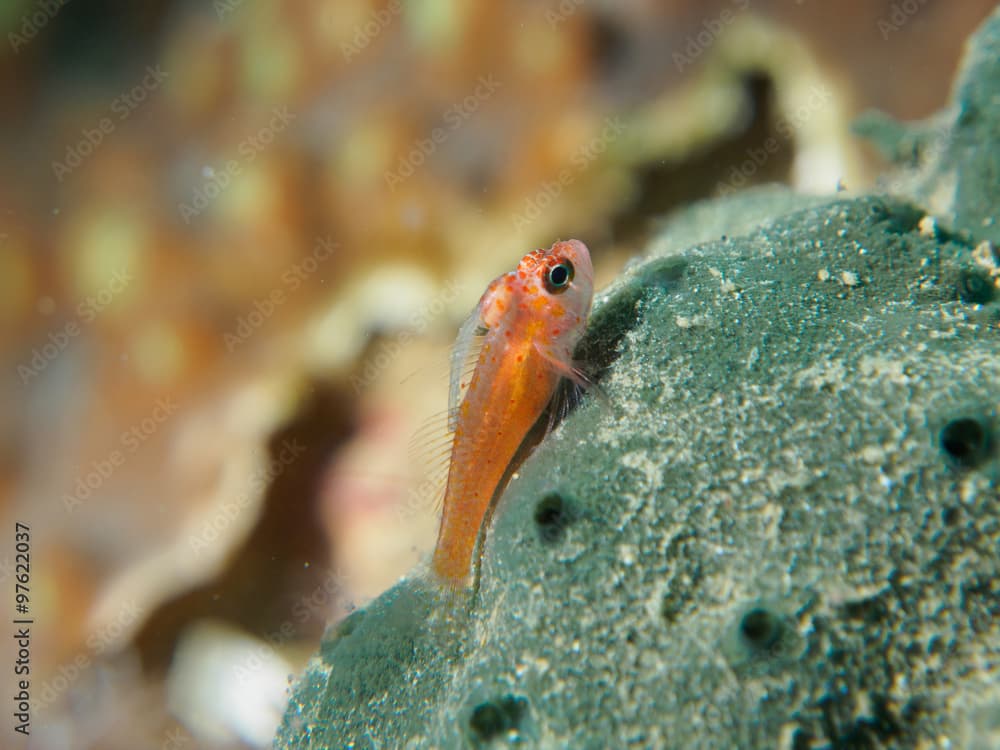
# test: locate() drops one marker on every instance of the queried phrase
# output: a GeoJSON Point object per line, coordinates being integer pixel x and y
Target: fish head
{"type": "Point", "coordinates": [556, 291]}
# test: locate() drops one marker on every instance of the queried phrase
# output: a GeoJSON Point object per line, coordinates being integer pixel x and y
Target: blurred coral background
{"type": "Point", "coordinates": [237, 238]}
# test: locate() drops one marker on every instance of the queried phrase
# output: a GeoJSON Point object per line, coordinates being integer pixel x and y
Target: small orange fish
{"type": "Point", "coordinates": [530, 319]}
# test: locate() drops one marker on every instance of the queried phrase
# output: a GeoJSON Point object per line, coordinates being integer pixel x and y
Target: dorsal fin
{"type": "Point", "coordinates": [429, 454]}
{"type": "Point", "coordinates": [464, 356]}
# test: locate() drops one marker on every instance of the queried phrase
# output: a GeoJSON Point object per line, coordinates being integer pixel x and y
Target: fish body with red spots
{"type": "Point", "coordinates": [530, 320]}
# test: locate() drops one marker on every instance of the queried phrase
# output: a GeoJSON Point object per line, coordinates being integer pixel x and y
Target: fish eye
{"type": "Point", "coordinates": [558, 277]}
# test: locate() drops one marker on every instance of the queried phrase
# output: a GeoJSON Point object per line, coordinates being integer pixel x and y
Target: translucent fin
{"type": "Point", "coordinates": [429, 454]}
{"type": "Point", "coordinates": [569, 371]}
{"type": "Point", "coordinates": [569, 394]}
{"type": "Point", "coordinates": [570, 390]}
{"type": "Point", "coordinates": [566, 397]}
{"type": "Point", "coordinates": [431, 445]}
{"type": "Point", "coordinates": [437, 370]}
{"type": "Point", "coordinates": [433, 430]}
{"type": "Point", "coordinates": [464, 356]}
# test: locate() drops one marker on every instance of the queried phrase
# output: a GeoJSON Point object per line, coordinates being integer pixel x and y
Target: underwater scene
{"type": "Point", "coordinates": [418, 374]}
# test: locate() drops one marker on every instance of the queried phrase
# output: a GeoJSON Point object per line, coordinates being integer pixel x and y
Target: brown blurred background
{"type": "Point", "coordinates": [237, 238]}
